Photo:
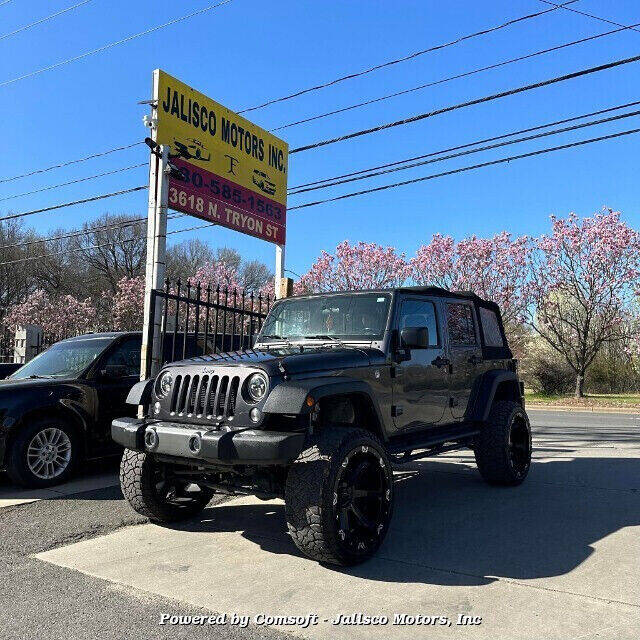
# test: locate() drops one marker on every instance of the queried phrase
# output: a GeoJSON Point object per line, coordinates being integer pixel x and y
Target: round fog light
{"type": "Point", "coordinates": [195, 443]}
{"type": "Point", "coordinates": [151, 438]}
{"type": "Point", "coordinates": [254, 414]}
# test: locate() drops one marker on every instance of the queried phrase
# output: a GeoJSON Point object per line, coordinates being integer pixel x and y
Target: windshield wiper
{"type": "Point", "coordinates": [325, 336]}
{"type": "Point", "coordinates": [274, 336]}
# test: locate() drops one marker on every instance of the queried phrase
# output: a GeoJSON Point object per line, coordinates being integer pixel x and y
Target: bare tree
{"type": "Point", "coordinates": [113, 248]}
{"type": "Point", "coordinates": [254, 275]}
{"type": "Point", "coordinates": [230, 258]}
{"type": "Point", "coordinates": [16, 267]}
{"type": "Point", "coordinates": [58, 269]}
{"type": "Point", "coordinates": [185, 258]}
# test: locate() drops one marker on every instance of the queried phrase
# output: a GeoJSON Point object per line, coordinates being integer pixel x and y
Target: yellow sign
{"type": "Point", "coordinates": [233, 172]}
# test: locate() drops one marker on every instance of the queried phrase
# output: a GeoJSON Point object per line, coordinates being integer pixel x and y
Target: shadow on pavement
{"type": "Point", "coordinates": [93, 475]}
{"type": "Point", "coordinates": [450, 528]}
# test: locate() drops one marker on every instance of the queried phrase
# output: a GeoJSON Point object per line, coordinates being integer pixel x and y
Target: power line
{"type": "Point", "coordinates": [457, 76]}
{"type": "Point", "coordinates": [470, 144]}
{"type": "Point", "coordinates": [4, 2]}
{"type": "Point", "coordinates": [64, 184]}
{"type": "Point", "coordinates": [85, 232]}
{"type": "Point", "coordinates": [45, 19]}
{"type": "Point", "coordinates": [496, 145]}
{"type": "Point", "coordinates": [494, 96]}
{"type": "Point", "coordinates": [116, 43]}
{"type": "Point", "coordinates": [464, 169]}
{"type": "Point", "coordinates": [589, 15]}
{"type": "Point", "coordinates": [70, 162]}
{"type": "Point", "coordinates": [71, 204]}
{"type": "Point", "coordinates": [411, 56]}
{"type": "Point", "coordinates": [102, 246]}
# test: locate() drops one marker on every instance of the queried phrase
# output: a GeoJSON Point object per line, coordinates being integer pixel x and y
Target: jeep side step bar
{"type": "Point", "coordinates": [413, 446]}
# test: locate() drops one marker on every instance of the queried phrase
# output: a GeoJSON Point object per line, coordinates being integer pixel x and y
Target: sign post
{"type": "Point", "coordinates": [156, 260]}
{"type": "Point", "coordinates": [279, 271]}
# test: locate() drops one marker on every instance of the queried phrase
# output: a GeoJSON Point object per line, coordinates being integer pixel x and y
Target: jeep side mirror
{"type": "Point", "coordinates": [414, 337]}
{"type": "Point", "coordinates": [114, 371]}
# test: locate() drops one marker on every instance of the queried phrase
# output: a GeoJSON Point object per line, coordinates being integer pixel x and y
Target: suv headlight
{"type": "Point", "coordinates": [164, 384]}
{"type": "Point", "coordinates": [257, 386]}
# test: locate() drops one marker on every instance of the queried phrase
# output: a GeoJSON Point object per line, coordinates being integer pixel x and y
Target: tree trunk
{"type": "Point", "coordinates": [579, 386]}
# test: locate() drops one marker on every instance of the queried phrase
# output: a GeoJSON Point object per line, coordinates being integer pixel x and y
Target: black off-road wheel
{"type": "Point", "coordinates": [503, 448]}
{"type": "Point", "coordinates": [339, 496]}
{"type": "Point", "coordinates": [44, 453]}
{"type": "Point", "coordinates": [153, 491]}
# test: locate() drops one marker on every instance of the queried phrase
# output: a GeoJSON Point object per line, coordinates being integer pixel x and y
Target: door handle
{"type": "Point", "coordinates": [474, 359]}
{"type": "Point", "coordinates": [441, 362]}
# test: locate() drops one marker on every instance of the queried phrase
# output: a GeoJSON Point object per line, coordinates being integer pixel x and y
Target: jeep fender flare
{"type": "Point", "coordinates": [140, 393]}
{"type": "Point", "coordinates": [290, 397]}
{"type": "Point", "coordinates": [488, 388]}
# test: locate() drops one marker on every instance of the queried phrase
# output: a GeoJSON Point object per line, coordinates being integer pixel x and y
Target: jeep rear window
{"type": "Point", "coordinates": [355, 317]}
{"type": "Point", "coordinates": [490, 328]}
{"type": "Point", "coordinates": [460, 323]}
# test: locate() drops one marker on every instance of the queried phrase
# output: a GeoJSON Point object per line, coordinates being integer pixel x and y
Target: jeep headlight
{"type": "Point", "coordinates": [257, 386]}
{"type": "Point", "coordinates": [164, 384]}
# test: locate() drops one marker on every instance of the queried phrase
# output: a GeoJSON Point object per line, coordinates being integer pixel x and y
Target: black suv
{"type": "Point", "coordinates": [57, 409]}
{"type": "Point", "coordinates": [337, 389]}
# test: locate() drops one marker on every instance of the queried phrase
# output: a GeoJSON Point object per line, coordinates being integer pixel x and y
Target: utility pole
{"type": "Point", "coordinates": [156, 260]}
{"type": "Point", "coordinates": [279, 271]}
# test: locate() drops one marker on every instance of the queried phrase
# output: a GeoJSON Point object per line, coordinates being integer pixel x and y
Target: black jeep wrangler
{"type": "Point", "coordinates": [338, 388]}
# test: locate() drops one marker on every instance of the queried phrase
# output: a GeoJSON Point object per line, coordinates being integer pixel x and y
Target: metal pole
{"type": "Point", "coordinates": [279, 270]}
{"type": "Point", "coordinates": [156, 262]}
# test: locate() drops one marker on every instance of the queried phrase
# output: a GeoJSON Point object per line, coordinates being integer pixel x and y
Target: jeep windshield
{"type": "Point", "coordinates": [343, 317]}
{"type": "Point", "coordinates": [63, 359]}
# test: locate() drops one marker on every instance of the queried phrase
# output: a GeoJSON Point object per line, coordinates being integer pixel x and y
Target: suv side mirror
{"type": "Point", "coordinates": [114, 371]}
{"type": "Point", "coordinates": [414, 337]}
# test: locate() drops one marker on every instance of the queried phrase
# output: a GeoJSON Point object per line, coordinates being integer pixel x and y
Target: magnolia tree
{"type": "Point", "coordinates": [127, 304]}
{"type": "Point", "coordinates": [359, 266]}
{"type": "Point", "coordinates": [495, 268]}
{"type": "Point", "coordinates": [582, 287]}
{"type": "Point", "coordinates": [59, 317]}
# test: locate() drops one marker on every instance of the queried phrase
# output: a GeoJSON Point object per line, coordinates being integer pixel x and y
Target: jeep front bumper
{"type": "Point", "coordinates": [244, 446]}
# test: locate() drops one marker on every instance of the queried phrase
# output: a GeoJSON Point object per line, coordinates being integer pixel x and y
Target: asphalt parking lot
{"type": "Point", "coordinates": [557, 557]}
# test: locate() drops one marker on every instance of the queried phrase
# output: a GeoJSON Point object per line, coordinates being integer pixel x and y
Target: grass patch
{"type": "Point", "coordinates": [631, 400]}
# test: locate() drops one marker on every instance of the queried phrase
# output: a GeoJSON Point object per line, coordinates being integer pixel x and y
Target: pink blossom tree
{"type": "Point", "coordinates": [217, 273]}
{"type": "Point", "coordinates": [59, 317]}
{"type": "Point", "coordinates": [583, 285]}
{"type": "Point", "coordinates": [495, 268]}
{"type": "Point", "coordinates": [127, 305]}
{"type": "Point", "coordinates": [358, 266]}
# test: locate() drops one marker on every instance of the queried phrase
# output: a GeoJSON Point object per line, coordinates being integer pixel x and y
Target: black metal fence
{"type": "Point", "coordinates": [200, 319]}
{"type": "Point", "coordinates": [7, 344]}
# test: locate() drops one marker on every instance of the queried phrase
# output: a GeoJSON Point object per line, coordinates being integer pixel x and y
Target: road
{"type": "Point", "coordinates": [556, 558]}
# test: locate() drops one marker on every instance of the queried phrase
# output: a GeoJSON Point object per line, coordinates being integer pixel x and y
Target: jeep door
{"type": "Point", "coordinates": [421, 385]}
{"type": "Point", "coordinates": [465, 353]}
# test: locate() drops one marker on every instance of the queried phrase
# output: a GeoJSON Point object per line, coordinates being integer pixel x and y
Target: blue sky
{"type": "Point", "coordinates": [249, 51]}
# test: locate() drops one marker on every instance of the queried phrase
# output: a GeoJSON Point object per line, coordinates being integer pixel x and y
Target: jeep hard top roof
{"type": "Point", "coordinates": [429, 290]}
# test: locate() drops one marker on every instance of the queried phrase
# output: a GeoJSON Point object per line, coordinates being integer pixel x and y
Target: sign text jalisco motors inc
{"type": "Point", "coordinates": [235, 173]}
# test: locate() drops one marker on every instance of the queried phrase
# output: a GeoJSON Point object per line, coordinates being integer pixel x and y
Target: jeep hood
{"type": "Point", "coordinates": [293, 359]}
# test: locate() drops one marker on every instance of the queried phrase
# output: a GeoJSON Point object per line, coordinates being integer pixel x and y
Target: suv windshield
{"type": "Point", "coordinates": [342, 316]}
{"type": "Point", "coordinates": [64, 359]}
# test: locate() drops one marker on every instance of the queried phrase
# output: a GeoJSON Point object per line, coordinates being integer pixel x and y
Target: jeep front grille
{"type": "Point", "coordinates": [205, 396]}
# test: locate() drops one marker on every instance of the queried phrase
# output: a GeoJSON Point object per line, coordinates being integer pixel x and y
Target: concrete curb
{"type": "Point", "coordinates": [568, 407]}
